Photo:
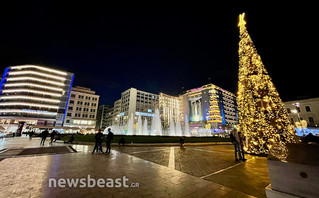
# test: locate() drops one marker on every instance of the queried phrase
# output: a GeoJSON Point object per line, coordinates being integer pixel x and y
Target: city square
{"type": "Point", "coordinates": [197, 170]}
{"type": "Point", "coordinates": [157, 102]}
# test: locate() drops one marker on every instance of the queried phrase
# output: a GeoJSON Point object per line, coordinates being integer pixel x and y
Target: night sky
{"type": "Point", "coordinates": [167, 48]}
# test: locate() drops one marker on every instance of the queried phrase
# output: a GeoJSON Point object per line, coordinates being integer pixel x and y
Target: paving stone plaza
{"type": "Point", "coordinates": [154, 171]}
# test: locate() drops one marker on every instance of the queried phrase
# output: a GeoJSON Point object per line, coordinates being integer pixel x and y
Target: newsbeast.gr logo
{"type": "Point", "coordinates": [88, 182]}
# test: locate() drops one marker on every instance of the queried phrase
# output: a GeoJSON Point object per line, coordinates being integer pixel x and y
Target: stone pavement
{"type": "Point", "coordinates": [197, 171]}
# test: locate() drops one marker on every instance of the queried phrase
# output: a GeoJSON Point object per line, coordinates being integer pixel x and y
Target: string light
{"type": "Point", "coordinates": [32, 85]}
{"type": "Point", "coordinates": [34, 79]}
{"type": "Point", "coordinates": [40, 68]}
{"type": "Point", "coordinates": [263, 120]}
{"type": "Point", "coordinates": [27, 111]}
{"type": "Point", "coordinates": [14, 73]}
{"type": "Point", "coordinates": [30, 91]}
{"type": "Point", "coordinates": [25, 97]}
{"type": "Point", "coordinates": [28, 104]}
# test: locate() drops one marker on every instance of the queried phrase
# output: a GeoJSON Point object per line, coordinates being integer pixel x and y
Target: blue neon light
{"type": "Point", "coordinates": [144, 114]}
{"type": "Point", "coordinates": [3, 78]}
{"type": "Point", "coordinates": [221, 107]}
{"type": "Point", "coordinates": [67, 102]}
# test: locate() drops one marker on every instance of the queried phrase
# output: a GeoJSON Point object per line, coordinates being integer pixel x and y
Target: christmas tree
{"type": "Point", "coordinates": [263, 120]}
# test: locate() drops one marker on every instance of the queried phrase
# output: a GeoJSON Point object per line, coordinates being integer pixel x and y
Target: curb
{"type": "Point", "coordinates": [161, 144]}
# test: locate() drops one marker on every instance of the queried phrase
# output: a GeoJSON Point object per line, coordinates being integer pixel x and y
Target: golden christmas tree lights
{"type": "Point", "coordinates": [263, 120]}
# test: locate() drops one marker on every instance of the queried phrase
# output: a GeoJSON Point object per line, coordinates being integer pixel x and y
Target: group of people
{"type": "Point", "coordinates": [237, 140]}
{"type": "Point", "coordinates": [54, 136]}
{"type": "Point", "coordinates": [98, 142]}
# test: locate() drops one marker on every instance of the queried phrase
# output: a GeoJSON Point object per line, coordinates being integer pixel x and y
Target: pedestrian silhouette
{"type": "Point", "coordinates": [44, 136]}
{"type": "Point", "coordinates": [241, 146]}
{"type": "Point", "coordinates": [109, 138]}
{"type": "Point", "coordinates": [31, 133]}
{"type": "Point", "coordinates": [235, 141]}
{"type": "Point", "coordinates": [181, 141]}
{"type": "Point", "coordinates": [122, 141]}
{"type": "Point", "coordinates": [53, 134]}
{"type": "Point", "coordinates": [70, 140]}
{"type": "Point", "coordinates": [98, 142]}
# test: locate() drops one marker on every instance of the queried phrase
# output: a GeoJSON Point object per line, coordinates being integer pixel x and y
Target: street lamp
{"type": "Point", "coordinates": [302, 123]}
{"type": "Point", "coordinates": [296, 112]}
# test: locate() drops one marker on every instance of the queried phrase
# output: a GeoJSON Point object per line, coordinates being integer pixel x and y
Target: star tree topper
{"type": "Point", "coordinates": [242, 22]}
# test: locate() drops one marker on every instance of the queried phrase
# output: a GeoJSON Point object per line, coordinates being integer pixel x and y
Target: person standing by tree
{"type": "Point", "coordinates": [241, 146]}
{"type": "Point", "coordinates": [109, 138]}
{"type": "Point", "coordinates": [235, 141]}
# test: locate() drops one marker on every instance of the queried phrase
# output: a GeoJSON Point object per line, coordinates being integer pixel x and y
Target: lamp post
{"type": "Point", "coordinates": [301, 123]}
{"type": "Point", "coordinates": [296, 112]}
{"type": "Point", "coordinates": [297, 104]}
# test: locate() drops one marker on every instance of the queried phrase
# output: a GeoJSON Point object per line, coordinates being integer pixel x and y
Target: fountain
{"type": "Point", "coordinates": [186, 124]}
{"type": "Point", "coordinates": [171, 127]}
{"type": "Point", "coordinates": [130, 126]}
{"type": "Point", "coordinates": [175, 128]}
{"type": "Point", "coordinates": [145, 130]}
{"type": "Point", "coordinates": [139, 126]}
{"type": "Point", "coordinates": [178, 130]}
{"type": "Point", "coordinates": [156, 128]}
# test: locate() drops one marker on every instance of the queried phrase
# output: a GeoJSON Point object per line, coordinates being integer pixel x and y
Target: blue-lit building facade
{"type": "Point", "coordinates": [210, 107]}
{"type": "Point", "coordinates": [34, 95]}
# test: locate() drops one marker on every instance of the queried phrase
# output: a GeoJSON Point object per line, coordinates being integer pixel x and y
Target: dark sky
{"type": "Point", "coordinates": [111, 48]}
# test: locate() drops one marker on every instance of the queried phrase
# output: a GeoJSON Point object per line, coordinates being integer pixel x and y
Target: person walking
{"type": "Point", "coordinates": [53, 134]}
{"type": "Point", "coordinates": [235, 141]}
{"type": "Point", "coordinates": [109, 138]}
{"type": "Point", "coordinates": [31, 133]}
{"type": "Point", "coordinates": [70, 140]}
{"type": "Point", "coordinates": [98, 142]}
{"type": "Point", "coordinates": [181, 141]}
{"type": "Point", "coordinates": [44, 136]}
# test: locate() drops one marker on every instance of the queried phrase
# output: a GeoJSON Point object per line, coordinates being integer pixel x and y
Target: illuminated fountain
{"type": "Point", "coordinates": [139, 127]}
{"type": "Point", "coordinates": [171, 127]}
{"type": "Point", "coordinates": [178, 129]}
{"type": "Point", "coordinates": [186, 124]}
{"type": "Point", "coordinates": [145, 129]}
{"type": "Point", "coordinates": [130, 126]}
{"type": "Point", "coordinates": [156, 128]}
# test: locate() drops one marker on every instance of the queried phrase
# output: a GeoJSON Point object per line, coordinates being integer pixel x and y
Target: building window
{"type": "Point", "coordinates": [311, 120]}
{"type": "Point", "coordinates": [72, 95]}
{"type": "Point", "coordinates": [71, 101]}
{"type": "Point", "coordinates": [69, 114]}
{"type": "Point", "coordinates": [67, 121]}
{"type": "Point", "coordinates": [308, 108]}
{"type": "Point", "coordinates": [298, 109]}
{"type": "Point", "coordinates": [79, 96]}
{"type": "Point", "coordinates": [70, 108]}
{"type": "Point", "coordinates": [288, 109]}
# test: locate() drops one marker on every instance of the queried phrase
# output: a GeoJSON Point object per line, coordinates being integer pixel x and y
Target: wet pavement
{"type": "Point", "coordinates": [168, 171]}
